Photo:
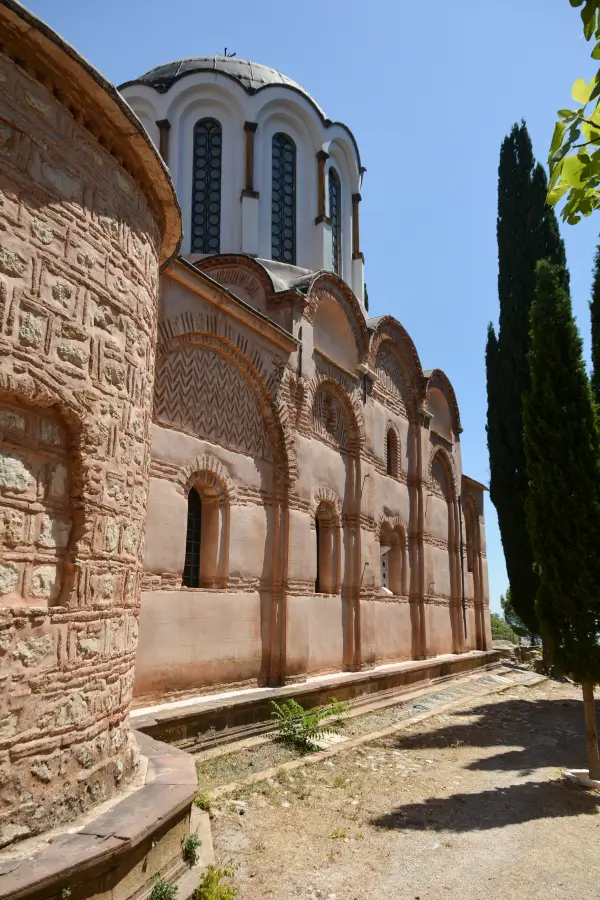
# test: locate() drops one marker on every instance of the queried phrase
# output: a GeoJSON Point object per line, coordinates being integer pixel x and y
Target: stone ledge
{"type": "Point", "coordinates": [108, 855]}
{"type": "Point", "coordinates": [244, 713]}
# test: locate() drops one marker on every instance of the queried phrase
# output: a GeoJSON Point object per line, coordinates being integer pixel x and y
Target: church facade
{"type": "Point", "coordinates": [307, 510]}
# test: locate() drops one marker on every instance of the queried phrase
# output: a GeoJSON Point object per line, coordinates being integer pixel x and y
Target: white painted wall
{"type": "Point", "coordinates": [276, 108]}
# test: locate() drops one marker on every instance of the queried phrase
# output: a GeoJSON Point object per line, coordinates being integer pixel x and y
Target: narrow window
{"type": "Point", "coordinates": [335, 210]}
{"type": "Point", "coordinates": [191, 569]}
{"type": "Point", "coordinates": [385, 551]}
{"type": "Point", "coordinates": [327, 537]}
{"type": "Point", "coordinates": [392, 453]}
{"type": "Point", "coordinates": [206, 191]}
{"type": "Point", "coordinates": [318, 579]}
{"type": "Point", "coordinates": [283, 199]}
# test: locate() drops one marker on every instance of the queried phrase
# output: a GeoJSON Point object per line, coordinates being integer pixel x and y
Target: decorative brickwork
{"type": "Point", "coordinates": [79, 256]}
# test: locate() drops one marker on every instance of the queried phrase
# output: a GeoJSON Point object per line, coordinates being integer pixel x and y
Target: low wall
{"type": "Point", "coordinates": [197, 639]}
{"type": "Point", "coordinates": [120, 853]}
{"type": "Point", "coordinates": [248, 713]}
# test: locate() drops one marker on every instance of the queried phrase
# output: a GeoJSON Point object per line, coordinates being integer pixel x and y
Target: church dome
{"type": "Point", "coordinates": [250, 75]}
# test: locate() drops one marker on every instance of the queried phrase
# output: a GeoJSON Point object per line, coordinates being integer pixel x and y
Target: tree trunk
{"type": "Point", "coordinates": [591, 734]}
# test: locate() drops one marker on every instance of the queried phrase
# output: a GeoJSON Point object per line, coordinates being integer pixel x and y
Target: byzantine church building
{"type": "Point", "coordinates": [307, 510]}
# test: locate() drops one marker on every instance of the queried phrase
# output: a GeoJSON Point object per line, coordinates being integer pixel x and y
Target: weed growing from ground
{"type": "Point", "coordinates": [203, 801]}
{"type": "Point", "coordinates": [303, 728]}
{"type": "Point", "coordinates": [338, 833]}
{"type": "Point", "coordinates": [214, 885]}
{"type": "Point", "coordinates": [163, 890]}
{"type": "Point", "coordinates": [189, 849]}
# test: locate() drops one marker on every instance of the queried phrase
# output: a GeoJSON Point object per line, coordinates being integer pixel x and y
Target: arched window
{"type": "Point", "coordinates": [207, 538]}
{"type": "Point", "coordinates": [283, 199]}
{"type": "Point", "coordinates": [206, 191]}
{"type": "Point", "coordinates": [391, 451]}
{"type": "Point", "coordinates": [335, 214]}
{"type": "Point", "coordinates": [392, 559]}
{"type": "Point", "coordinates": [193, 541]}
{"type": "Point", "coordinates": [328, 551]}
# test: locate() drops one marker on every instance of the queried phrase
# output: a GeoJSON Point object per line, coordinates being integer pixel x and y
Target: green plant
{"type": "Point", "coordinates": [501, 631]}
{"type": "Point", "coordinates": [302, 727]}
{"type": "Point", "coordinates": [339, 781]}
{"type": "Point", "coordinates": [203, 801]}
{"type": "Point", "coordinates": [338, 709]}
{"type": "Point", "coordinates": [163, 890]}
{"type": "Point", "coordinates": [189, 848]}
{"type": "Point", "coordinates": [65, 893]}
{"type": "Point", "coordinates": [213, 885]}
{"type": "Point", "coordinates": [527, 231]}
{"type": "Point", "coordinates": [562, 441]}
{"type": "Point", "coordinates": [338, 833]}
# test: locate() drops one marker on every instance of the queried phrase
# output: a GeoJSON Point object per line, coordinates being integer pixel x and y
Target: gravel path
{"type": "Point", "coordinates": [467, 804]}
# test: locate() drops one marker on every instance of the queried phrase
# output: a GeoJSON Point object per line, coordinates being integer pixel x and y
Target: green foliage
{"type": "Point", "coordinates": [304, 728]}
{"type": "Point", "coordinates": [527, 231]}
{"type": "Point", "coordinates": [501, 631]}
{"type": "Point", "coordinates": [595, 317]}
{"type": "Point", "coordinates": [562, 444]}
{"type": "Point", "coordinates": [189, 848]}
{"type": "Point", "coordinates": [366, 298]}
{"type": "Point", "coordinates": [203, 801]}
{"type": "Point", "coordinates": [214, 886]}
{"type": "Point", "coordinates": [163, 890]}
{"type": "Point", "coordinates": [574, 156]}
{"type": "Point", "coordinates": [65, 893]}
{"type": "Point", "coordinates": [510, 616]}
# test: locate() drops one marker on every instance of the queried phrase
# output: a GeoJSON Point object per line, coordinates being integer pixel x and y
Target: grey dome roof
{"type": "Point", "coordinates": [250, 75]}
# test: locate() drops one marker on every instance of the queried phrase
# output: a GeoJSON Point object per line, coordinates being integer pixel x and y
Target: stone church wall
{"type": "Point", "coordinates": [79, 254]}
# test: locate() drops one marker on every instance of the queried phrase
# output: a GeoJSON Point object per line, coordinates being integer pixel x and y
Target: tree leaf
{"type": "Point", "coordinates": [581, 91]}
{"type": "Point", "coordinates": [559, 130]}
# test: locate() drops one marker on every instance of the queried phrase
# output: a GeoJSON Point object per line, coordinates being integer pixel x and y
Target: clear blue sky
{"type": "Point", "coordinates": [429, 90]}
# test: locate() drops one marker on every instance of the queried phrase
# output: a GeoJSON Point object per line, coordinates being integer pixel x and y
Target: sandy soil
{"type": "Point", "coordinates": [467, 804]}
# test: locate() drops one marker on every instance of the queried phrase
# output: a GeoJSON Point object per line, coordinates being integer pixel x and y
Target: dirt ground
{"type": "Point", "coordinates": [469, 804]}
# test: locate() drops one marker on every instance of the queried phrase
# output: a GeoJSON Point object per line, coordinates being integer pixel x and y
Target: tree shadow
{"type": "Point", "coordinates": [496, 808]}
{"type": "Point", "coordinates": [549, 732]}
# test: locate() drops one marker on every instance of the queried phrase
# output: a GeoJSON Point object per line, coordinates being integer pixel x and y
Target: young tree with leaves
{"type": "Point", "coordinates": [527, 231]}
{"type": "Point", "coordinates": [562, 445]}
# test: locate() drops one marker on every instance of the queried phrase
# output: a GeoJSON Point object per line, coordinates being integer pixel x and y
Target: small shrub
{"type": "Point", "coordinates": [214, 886]}
{"type": "Point", "coordinates": [338, 709]}
{"type": "Point", "coordinates": [65, 893]}
{"type": "Point", "coordinates": [501, 631]}
{"type": "Point", "coordinates": [339, 781]}
{"type": "Point", "coordinates": [304, 727]}
{"type": "Point", "coordinates": [163, 890]}
{"type": "Point", "coordinates": [203, 801]}
{"type": "Point", "coordinates": [338, 833]}
{"type": "Point", "coordinates": [189, 849]}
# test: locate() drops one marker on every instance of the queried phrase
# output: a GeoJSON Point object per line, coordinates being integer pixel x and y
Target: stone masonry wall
{"type": "Point", "coordinates": [78, 281]}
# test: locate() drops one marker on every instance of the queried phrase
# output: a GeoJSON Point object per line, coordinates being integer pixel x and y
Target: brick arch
{"type": "Point", "coordinates": [392, 428]}
{"type": "Point", "coordinates": [395, 523]}
{"type": "Point", "coordinates": [448, 464]}
{"type": "Point", "coordinates": [436, 378]}
{"type": "Point", "coordinates": [214, 333]}
{"type": "Point", "coordinates": [327, 285]}
{"type": "Point", "coordinates": [387, 330]}
{"type": "Point", "coordinates": [349, 404]}
{"type": "Point", "coordinates": [328, 496]}
{"type": "Point", "coordinates": [207, 468]}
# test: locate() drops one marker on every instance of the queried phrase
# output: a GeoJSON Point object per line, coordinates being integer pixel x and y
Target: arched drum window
{"type": "Point", "coordinates": [191, 570]}
{"type": "Point", "coordinates": [283, 199]}
{"type": "Point", "coordinates": [206, 190]}
{"type": "Point", "coordinates": [335, 214]}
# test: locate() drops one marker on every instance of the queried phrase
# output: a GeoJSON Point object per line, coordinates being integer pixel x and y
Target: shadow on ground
{"type": "Point", "coordinates": [550, 733]}
{"type": "Point", "coordinates": [492, 809]}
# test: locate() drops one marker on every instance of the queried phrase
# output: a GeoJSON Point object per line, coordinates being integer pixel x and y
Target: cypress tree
{"type": "Point", "coordinates": [562, 446]}
{"type": "Point", "coordinates": [595, 316]}
{"type": "Point", "coordinates": [527, 230]}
